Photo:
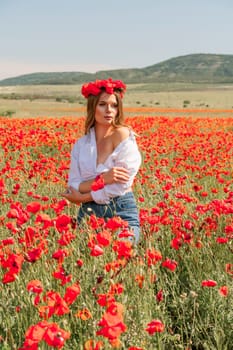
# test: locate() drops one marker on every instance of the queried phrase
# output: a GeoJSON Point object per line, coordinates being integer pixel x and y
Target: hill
{"type": "Point", "coordinates": [194, 68]}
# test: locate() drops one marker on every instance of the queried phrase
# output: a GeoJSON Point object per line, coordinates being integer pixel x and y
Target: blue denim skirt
{"type": "Point", "coordinates": [123, 206]}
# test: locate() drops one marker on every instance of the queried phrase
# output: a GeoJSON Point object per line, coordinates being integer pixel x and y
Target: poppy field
{"type": "Point", "coordinates": [88, 287]}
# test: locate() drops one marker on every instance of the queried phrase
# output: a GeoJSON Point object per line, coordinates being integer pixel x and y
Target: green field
{"type": "Point", "coordinates": [66, 100]}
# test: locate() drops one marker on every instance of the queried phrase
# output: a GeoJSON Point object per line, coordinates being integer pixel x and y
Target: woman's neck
{"type": "Point", "coordinates": [102, 131]}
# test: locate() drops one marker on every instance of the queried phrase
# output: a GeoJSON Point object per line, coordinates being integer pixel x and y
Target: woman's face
{"type": "Point", "coordinates": [106, 109]}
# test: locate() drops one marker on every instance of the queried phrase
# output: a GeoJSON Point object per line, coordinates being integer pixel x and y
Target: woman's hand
{"type": "Point", "coordinates": [72, 195]}
{"type": "Point", "coordinates": [116, 174]}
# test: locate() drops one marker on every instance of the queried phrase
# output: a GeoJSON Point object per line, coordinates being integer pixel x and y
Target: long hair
{"type": "Point", "coordinates": [92, 102]}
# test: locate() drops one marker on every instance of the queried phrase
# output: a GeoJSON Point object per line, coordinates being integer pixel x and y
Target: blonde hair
{"type": "Point", "coordinates": [92, 102]}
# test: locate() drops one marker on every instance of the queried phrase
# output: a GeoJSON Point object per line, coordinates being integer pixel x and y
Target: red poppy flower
{"type": "Point", "coordinates": [229, 269]}
{"type": "Point", "coordinates": [34, 335]}
{"type": "Point", "coordinates": [35, 286]}
{"type": "Point", "coordinates": [33, 207]}
{"type": "Point", "coordinates": [98, 183]}
{"type": "Point", "coordinates": [176, 243]}
{"type": "Point", "coordinates": [59, 206]}
{"type": "Point", "coordinates": [155, 326]}
{"type": "Point", "coordinates": [153, 256]}
{"type": "Point", "coordinates": [62, 222]}
{"type": "Point", "coordinates": [115, 223]}
{"type": "Point", "coordinates": [7, 241]}
{"type": "Point", "coordinates": [159, 296]}
{"type": "Point", "coordinates": [9, 277]}
{"type": "Point", "coordinates": [116, 288]}
{"type": "Point", "coordinates": [223, 291]}
{"type": "Point", "coordinates": [60, 255]}
{"type": "Point", "coordinates": [188, 225]}
{"type": "Point", "coordinates": [44, 219]}
{"type": "Point", "coordinates": [95, 223]}
{"type": "Point", "coordinates": [92, 345]}
{"type": "Point", "coordinates": [229, 229]}
{"type": "Point", "coordinates": [13, 214]}
{"type": "Point", "coordinates": [105, 299]}
{"type": "Point", "coordinates": [54, 336]}
{"type": "Point", "coordinates": [79, 262]}
{"type": "Point", "coordinates": [170, 264]}
{"type": "Point", "coordinates": [34, 254]}
{"type": "Point", "coordinates": [222, 240]}
{"type": "Point", "coordinates": [96, 250]}
{"type": "Point", "coordinates": [84, 314]}
{"type": "Point", "coordinates": [55, 305]}
{"type": "Point", "coordinates": [90, 89]}
{"type": "Point", "coordinates": [104, 238]}
{"type": "Point", "coordinates": [14, 264]}
{"type": "Point", "coordinates": [112, 324]}
{"type": "Point", "coordinates": [66, 238]}
{"type": "Point", "coordinates": [140, 279]}
{"type": "Point", "coordinates": [208, 283]}
{"type": "Point", "coordinates": [125, 233]}
{"type": "Point", "coordinates": [61, 275]}
{"type": "Point", "coordinates": [124, 249]}
{"type": "Point", "coordinates": [72, 292]}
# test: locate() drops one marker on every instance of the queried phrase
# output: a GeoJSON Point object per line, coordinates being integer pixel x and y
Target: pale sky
{"type": "Point", "coordinates": [92, 35]}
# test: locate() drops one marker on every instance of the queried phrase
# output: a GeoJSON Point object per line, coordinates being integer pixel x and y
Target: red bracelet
{"type": "Point", "coordinates": [98, 183]}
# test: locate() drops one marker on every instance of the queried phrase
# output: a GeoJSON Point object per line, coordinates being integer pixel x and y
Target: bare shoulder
{"type": "Point", "coordinates": [120, 134]}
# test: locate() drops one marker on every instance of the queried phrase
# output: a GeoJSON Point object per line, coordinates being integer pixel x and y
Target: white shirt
{"type": "Point", "coordinates": [84, 166]}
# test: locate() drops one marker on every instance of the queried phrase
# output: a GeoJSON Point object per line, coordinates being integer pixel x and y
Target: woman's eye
{"type": "Point", "coordinates": [115, 105]}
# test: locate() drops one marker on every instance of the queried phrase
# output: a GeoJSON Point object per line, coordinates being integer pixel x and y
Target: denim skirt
{"type": "Point", "coordinates": [123, 206]}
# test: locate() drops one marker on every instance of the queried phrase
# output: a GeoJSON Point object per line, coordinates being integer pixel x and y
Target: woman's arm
{"type": "Point", "coordinates": [76, 197]}
{"type": "Point", "coordinates": [114, 175]}
{"type": "Point", "coordinates": [83, 195]}
{"type": "Point", "coordinates": [85, 186]}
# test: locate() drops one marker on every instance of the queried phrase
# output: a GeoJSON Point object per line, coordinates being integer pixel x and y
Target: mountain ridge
{"type": "Point", "coordinates": [192, 68]}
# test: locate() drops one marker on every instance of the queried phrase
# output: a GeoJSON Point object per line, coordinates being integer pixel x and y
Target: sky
{"type": "Point", "coordinates": [93, 35]}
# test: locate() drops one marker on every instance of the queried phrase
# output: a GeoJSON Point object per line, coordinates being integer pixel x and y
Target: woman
{"type": "Point", "coordinates": [105, 161]}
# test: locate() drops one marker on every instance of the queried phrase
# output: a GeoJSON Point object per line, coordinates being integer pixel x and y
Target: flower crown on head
{"type": "Point", "coordinates": [109, 86]}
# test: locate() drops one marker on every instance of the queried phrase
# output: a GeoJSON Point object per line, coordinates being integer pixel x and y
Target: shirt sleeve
{"type": "Point", "coordinates": [74, 178]}
{"type": "Point", "coordinates": [129, 158]}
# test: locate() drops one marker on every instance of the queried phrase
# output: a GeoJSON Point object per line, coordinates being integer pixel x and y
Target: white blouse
{"type": "Point", "coordinates": [84, 166]}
